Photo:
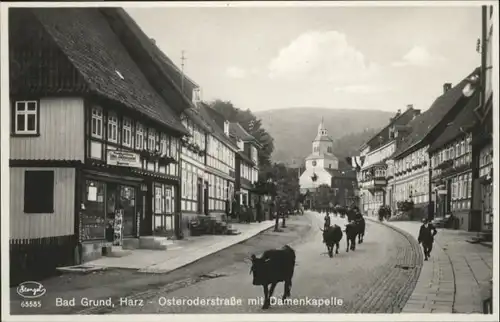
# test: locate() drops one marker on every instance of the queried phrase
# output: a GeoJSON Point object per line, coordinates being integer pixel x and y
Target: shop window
{"type": "Point", "coordinates": [97, 123]}
{"type": "Point", "coordinates": [26, 118]}
{"type": "Point", "coordinates": [112, 128]}
{"type": "Point", "coordinates": [127, 132]}
{"type": "Point", "coordinates": [158, 200]}
{"type": "Point", "coordinates": [94, 215]}
{"type": "Point", "coordinates": [39, 192]}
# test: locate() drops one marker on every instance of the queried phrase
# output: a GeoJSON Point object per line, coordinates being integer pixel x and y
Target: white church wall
{"type": "Point", "coordinates": [306, 181]}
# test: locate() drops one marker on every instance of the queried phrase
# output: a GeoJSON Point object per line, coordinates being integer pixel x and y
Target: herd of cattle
{"type": "Point", "coordinates": [277, 265]}
{"type": "Point", "coordinates": [354, 229]}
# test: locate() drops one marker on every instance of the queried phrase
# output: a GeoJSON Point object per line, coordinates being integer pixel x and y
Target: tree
{"type": "Point", "coordinates": [251, 124]}
{"type": "Point", "coordinates": [324, 196]}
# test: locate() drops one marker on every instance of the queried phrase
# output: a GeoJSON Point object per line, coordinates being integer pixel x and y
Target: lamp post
{"type": "Point", "coordinates": [272, 186]}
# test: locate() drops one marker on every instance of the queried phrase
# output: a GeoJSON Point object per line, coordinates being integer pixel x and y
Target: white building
{"type": "Point", "coordinates": [320, 163]}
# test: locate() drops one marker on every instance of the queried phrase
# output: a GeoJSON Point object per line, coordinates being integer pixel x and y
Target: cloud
{"type": "Point", "coordinates": [362, 89]}
{"type": "Point", "coordinates": [324, 57]}
{"type": "Point", "coordinates": [418, 56]}
{"type": "Point", "coordinates": [236, 72]}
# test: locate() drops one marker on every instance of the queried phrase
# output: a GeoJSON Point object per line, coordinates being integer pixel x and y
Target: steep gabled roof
{"type": "Point", "coordinates": [160, 68]}
{"type": "Point", "coordinates": [422, 126]}
{"type": "Point", "coordinates": [245, 158]}
{"type": "Point", "coordinates": [462, 124]}
{"type": "Point", "coordinates": [211, 116]}
{"type": "Point", "coordinates": [382, 137]}
{"type": "Point", "coordinates": [236, 130]}
{"type": "Point", "coordinates": [86, 38]}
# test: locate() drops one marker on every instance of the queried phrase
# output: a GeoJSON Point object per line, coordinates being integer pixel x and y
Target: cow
{"type": "Point", "coordinates": [361, 227]}
{"type": "Point", "coordinates": [274, 266]}
{"type": "Point", "coordinates": [332, 237]}
{"type": "Point", "coordinates": [351, 232]}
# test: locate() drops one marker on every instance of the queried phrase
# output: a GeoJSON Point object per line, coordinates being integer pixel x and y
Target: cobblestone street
{"type": "Point", "coordinates": [376, 278]}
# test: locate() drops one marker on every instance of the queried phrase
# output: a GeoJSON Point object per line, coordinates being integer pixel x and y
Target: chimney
{"type": "Point", "coordinates": [446, 87]}
{"type": "Point", "coordinates": [226, 128]}
{"type": "Point", "coordinates": [409, 106]}
{"type": "Point", "coordinates": [153, 41]}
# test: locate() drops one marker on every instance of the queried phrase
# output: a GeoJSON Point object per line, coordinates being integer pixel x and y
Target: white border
{"type": "Point", "coordinates": [5, 125]}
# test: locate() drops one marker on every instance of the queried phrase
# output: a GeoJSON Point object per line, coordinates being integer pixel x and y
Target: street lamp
{"type": "Point", "coordinates": [272, 184]}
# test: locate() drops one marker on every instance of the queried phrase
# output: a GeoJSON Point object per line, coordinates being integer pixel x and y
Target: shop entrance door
{"type": "Point", "coordinates": [205, 198]}
{"type": "Point", "coordinates": [121, 199]}
{"type": "Point", "coordinates": [199, 202]}
{"type": "Point", "coordinates": [146, 226]}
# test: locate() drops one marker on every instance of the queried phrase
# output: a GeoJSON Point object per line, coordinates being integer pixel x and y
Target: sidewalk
{"type": "Point", "coordinates": [182, 252]}
{"type": "Point", "coordinates": [455, 278]}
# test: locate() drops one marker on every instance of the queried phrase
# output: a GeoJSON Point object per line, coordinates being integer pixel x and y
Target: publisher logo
{"type": "Point", "coordinates": [31, 290]}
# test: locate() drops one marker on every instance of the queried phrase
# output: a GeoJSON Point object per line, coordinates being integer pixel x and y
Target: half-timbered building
{"type": "Point", "coordinates": [220, 164]}
{"type": "Point", "coordinates": [91, 137]}
{"type": "Point", "coordinates": [247, 164]}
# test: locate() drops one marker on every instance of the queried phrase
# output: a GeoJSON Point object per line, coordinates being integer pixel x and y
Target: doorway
{"type": "Point", "coordinates": [205, 199]}
{"type": "Point", "coordinates": [199, 201]}
{"type": "Point", "coordinates": [122, 198]}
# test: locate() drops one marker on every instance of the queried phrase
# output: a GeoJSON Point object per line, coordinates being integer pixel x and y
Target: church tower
{"type": "Point", "coordinates": [322, 144]}
{"type": "Point", "coordinates": [321, 164]}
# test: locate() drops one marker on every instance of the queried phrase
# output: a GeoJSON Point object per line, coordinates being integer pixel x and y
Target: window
{"type": "Point", "coordinates": [158, 202]}
{"type": "Point", "coordinates": [163, 144]}
{"type": "Point", "coordinates": [173, 148]}
{"type": "Point", "coordinates": [151, 140]}
{"type": "Point", "coordinates": [112, 127]}
{"type": "Point", "coordinates": [184, 188]}
{"type": "Point", "coordinates": [139, 136]}
{"type": "Point", "coordinates": [127, 132]}
{"type": "Point", "coordinates": [469, 186]}
{"type": "Point", "coordinates": [25, 121]}
{"type": "Point", "coordinates": [39, 192]}
{"type": "Point", "coordinates": [97, 124]}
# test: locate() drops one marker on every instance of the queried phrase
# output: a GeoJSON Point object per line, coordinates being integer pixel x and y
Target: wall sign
{"type": "Point", "coordinates": [123, 159]}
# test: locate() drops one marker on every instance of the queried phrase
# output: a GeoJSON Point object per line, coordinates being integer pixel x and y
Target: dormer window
{"type": "Point", "coordinates": [226, 128]}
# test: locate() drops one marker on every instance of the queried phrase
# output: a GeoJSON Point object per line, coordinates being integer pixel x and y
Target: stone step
{"type": "Point", "coordinates": [154, 242]}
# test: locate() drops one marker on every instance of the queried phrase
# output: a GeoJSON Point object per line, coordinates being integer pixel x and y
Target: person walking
{"type": "Point", "coordinates": [426, 237]}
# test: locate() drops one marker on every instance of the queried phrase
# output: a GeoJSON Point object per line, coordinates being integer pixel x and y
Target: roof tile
{"type": "Point", "coordinates": [422, 125]}
{"type": "Point", "coordinates": [465, 120]}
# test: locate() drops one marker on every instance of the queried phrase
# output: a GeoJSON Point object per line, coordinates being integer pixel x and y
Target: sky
{"type": "Point", "coordinates": [376, 58]}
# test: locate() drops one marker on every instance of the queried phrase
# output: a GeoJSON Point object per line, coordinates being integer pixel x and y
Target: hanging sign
{"type": "Point", "coordinates": [124, 159]}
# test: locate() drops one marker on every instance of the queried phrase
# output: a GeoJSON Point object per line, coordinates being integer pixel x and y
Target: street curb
{"type": "Point", "coordinates": [145, 271]}
{"type": "Point", "coordinates": [416, 246]}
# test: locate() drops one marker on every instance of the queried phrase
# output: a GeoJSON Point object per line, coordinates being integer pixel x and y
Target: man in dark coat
{"type": "Point", "coordinates": [426, 237]}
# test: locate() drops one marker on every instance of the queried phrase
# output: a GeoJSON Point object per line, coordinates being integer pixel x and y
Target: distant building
{"type": "Point", "coordinates": [412, 168]}
{"type": "Point", "coordinates": [247, 164]}
{"type": "Point", "coordinates": [322, 167]}
{"type": "Point", "coordinates": [374, 178]}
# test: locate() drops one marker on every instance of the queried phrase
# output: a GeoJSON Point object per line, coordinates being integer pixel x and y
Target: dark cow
{"type": "Point", "coordinates": [361, 226]}
{"type": "Point", "coordinates": [275, 265]}
{"type": "Point", "coordinates": [351, 231]}
{"type": "Point", "coordinates": [332, 237]}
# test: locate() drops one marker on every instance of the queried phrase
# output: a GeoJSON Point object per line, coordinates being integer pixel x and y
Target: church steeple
{"type": "Point", "coordinates": [322, 132]}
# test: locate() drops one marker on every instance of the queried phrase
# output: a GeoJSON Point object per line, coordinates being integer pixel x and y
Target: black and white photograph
{"type": "Point", "coordinates": [247, 161]}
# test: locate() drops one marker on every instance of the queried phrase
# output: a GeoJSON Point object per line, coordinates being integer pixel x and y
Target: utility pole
{"type": "Point", "coordinates": [183, 58]}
